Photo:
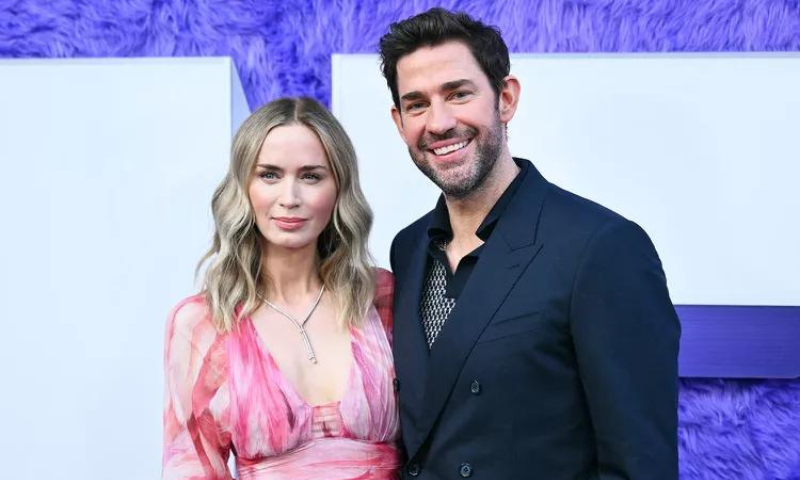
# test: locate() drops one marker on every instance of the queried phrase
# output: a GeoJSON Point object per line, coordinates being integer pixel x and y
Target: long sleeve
{"type": "Point", "coordinates": [626, 337]}
{"type": "Point", "coordinates": [195, 445]}
{"type": "Point", "coordinates": [384, 299]}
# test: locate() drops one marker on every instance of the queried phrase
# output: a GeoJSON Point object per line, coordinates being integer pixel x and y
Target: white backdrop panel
{"type": "Point", "coordinates": [108, 170]}
{"type": "Point", "coordinates": [701, 150]}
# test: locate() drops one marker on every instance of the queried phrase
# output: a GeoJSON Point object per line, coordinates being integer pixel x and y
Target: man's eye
{"type": "Point", "coordinates": [458, 95]}
{"type": "Point", "coordinates": [414, 106]}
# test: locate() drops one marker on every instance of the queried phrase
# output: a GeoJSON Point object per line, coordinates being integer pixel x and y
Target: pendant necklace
{"type": "Point", "coordinates": [301, 326]}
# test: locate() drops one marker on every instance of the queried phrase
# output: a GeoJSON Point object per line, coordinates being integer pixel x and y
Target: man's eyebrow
{"type": "Point", "coordinates": [447, 86]}
{"type": "Point", "coordinates": [415, 95]}
{"type": "Point", "coordinates": [456, 84]}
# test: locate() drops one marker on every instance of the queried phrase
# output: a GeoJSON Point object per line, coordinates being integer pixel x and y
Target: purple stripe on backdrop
{"type": "Point", "coordinates": [739, 341]}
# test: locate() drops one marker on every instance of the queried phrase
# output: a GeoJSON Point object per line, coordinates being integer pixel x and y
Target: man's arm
{"type": "Point", "coordinates": [626, 336]}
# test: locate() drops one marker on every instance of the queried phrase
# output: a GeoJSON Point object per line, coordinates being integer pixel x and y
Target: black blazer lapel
{"type": "Point", "coordinates": [505, 256]}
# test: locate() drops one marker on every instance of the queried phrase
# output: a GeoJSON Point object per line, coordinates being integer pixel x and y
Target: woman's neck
{"type": "Point", "coordinates": [293, 274]}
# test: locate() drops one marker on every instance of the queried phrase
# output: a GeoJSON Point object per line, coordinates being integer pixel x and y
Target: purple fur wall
{"type": "Point", "coordinates": [744, 429]}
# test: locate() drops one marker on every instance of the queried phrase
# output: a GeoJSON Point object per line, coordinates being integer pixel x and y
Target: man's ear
{"type": "Point", "coordinates": [508, 98]}
{"type": "Point", "coordinates": [398, 122]}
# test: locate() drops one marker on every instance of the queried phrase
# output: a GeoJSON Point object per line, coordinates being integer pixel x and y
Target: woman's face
{"type": "Point", "coordinates": [293, 190]}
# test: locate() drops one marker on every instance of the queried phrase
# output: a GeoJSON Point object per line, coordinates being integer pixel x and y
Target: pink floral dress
{"type": "Point", "coordinates": [224, 393]}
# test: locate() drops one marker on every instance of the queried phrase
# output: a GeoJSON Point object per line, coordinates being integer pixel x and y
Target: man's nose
{"type": "Point", "coordinates": [440, 118]}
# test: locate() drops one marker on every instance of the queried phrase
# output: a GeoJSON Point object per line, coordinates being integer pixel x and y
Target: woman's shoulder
{"type": "Point", "coordinates": [384, 296]}
{"type": "Point", "coordinates": [191, 317]}
{"type": "Point", "coordinates": [384, 286]}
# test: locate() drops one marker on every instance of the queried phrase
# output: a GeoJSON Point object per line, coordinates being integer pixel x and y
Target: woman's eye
{"type": "Point", "coordinates": [314, 177]}
{"type": "Point", "coordinates": [267, 175]}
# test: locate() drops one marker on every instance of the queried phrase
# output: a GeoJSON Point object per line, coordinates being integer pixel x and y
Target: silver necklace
{"type": "Point", "coordinates": [301, 326]}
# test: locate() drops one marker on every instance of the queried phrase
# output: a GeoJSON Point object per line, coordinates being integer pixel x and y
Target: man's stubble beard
{"type": "Point", "coordinates": [487, 153]}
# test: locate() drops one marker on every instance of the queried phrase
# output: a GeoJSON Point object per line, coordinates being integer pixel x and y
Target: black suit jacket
{"type": "Point", "coordinates": [559, 360]}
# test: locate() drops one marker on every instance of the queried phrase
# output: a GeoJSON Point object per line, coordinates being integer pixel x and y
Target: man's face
{"type": "Point", "coordinates": [449, 117]}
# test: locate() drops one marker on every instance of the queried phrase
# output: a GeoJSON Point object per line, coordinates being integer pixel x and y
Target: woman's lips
{"type": "Point", "coordinates": [289, 223]}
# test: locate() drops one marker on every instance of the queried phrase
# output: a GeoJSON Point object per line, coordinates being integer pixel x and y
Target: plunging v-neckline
{"type": "Point", "coordinates": [288, 386]}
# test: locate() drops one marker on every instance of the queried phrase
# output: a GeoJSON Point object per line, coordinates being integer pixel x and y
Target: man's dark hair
{"type": "Point", "coordinates": [437, 26]}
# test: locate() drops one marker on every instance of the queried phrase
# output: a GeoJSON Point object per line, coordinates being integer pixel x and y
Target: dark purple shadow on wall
{"type": "Point", "coordinates": [739, 341]}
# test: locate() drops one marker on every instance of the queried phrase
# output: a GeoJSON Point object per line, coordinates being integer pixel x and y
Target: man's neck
{"type": "Point", "coordinates": [467, 214]}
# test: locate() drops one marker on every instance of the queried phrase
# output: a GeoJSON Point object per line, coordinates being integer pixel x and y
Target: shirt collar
{"type": "Point", "coordinates": [440, 230]}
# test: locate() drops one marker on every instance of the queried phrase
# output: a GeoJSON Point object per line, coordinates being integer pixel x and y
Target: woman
{"type": "Point", "coordinates": [284, 357]}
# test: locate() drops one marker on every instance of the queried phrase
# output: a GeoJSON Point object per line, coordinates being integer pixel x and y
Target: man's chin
{"type": "Point", "coordinates": [451, 178]}
{"type": "Point", "coordinates": [455, 186]}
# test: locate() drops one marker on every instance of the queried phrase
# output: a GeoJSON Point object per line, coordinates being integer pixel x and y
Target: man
{"type": "Point", "coordinates": [534, 337]}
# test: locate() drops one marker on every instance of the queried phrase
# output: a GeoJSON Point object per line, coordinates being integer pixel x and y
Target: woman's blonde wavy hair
{"type": "Point", "coordinates": [233, 275]}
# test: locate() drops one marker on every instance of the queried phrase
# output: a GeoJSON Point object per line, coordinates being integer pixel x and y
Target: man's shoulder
{"type": "Point", "coordinates": [565, 207]}
{"type": "Point", "coordinates": [576, 223]}
{"type": "Point", "coordinates": [411, 233]}
{"type": "Point", "coordinates": [406, 240]}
